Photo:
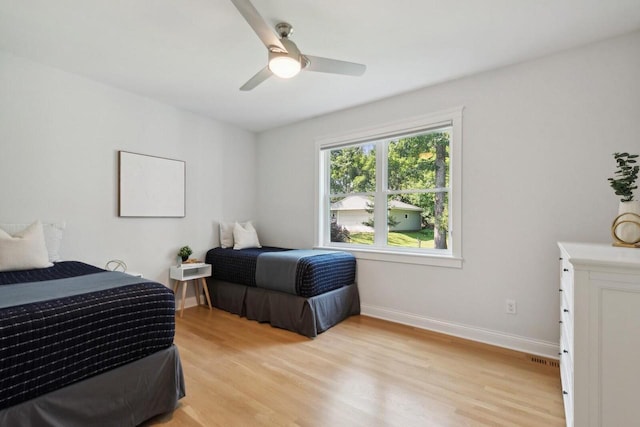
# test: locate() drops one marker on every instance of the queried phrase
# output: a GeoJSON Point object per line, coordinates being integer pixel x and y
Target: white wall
{"type": "Point", "coordinates": [537, 151]}
{"type": "Point", "coordinates": [59, 137]}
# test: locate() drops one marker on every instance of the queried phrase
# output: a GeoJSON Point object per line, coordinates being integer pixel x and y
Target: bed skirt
{"type": "Point", "coordinates": [125, 396]}
{"type": "Point", "coordinates": [306, 316]}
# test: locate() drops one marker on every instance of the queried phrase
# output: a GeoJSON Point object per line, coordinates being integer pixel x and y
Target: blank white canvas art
{"type": "Point", "coordinates": [151, 186]}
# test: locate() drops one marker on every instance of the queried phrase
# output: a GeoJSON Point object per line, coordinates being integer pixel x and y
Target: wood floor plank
{"type": "Point", "coordinates": [362, 372]}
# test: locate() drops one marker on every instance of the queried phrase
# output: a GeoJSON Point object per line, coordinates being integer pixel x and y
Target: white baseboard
{"type": "Point", "coordinates": [487, 336]}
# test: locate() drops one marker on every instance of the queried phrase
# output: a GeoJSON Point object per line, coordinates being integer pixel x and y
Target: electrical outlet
{"type": "Point", "coordinates": [510, 306]}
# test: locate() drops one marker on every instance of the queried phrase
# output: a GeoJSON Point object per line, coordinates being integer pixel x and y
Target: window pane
{"type": "Point", "coordinates": [351, 220]}
{"type": "Point", "coordinates": [353, 169]}
{"type": "Point", "coordinates": [418, 220]}
{"type": "Point", "coordinates": [420, 161]}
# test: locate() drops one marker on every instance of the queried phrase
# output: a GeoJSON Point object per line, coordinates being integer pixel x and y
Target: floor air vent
{"type": "Point", "coordinates": [544, 362]}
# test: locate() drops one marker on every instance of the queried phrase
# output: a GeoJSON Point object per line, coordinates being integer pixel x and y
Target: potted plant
{"type": "Point", "coordinates": [184, 252]}
{"type": "Point", "coordinates": [626, 226]}
{"type": "Point", "coordinates": [626, 176]}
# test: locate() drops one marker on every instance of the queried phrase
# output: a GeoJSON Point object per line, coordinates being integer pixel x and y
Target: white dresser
{"type": "Point", "coordinates": [600, 334]}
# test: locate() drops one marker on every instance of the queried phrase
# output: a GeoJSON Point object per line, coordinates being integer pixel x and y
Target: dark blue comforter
{"type": "Point", "coordinates": [315, 275]}
{"type": "Point", "coordinates": [49, 344]}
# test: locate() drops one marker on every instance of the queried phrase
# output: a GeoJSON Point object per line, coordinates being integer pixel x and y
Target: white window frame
{"type": "Point", "coordinates": [443, 258]}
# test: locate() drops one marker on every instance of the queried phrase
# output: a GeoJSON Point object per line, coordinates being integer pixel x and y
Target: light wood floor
{"type": "Point", "coordinates": [362, 372]}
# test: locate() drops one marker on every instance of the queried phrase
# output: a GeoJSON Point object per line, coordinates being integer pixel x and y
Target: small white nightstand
{"type": "Point", "coordinates": [196, 272]}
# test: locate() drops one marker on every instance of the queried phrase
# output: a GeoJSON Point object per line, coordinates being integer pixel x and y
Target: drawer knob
{"type": "Point", "coordinates": [566, 310]}
{"type": "Point", "coordinates": [560, 321]}
{"type": "Point", "coordinates": [564, 392]}
{"type": "Point", "coordinates": [560, 290]}
{"type": "Point", "coordinates": [565, 351]}
{"type": "Point", "coordinates": [565, 269]}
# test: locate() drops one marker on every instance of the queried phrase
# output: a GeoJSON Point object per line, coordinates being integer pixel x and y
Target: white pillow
{"type": "Point", "coordinates": [24, 250]}
{"type": "Point", "coordinates": [52, 236]}
{"type": "Point", "coordinates": [245, 236]}
{"type": "Point", "coordinates": [226, 234]}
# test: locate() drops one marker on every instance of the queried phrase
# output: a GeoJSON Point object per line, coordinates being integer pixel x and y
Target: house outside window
{"type": "Point", "coordinates": [394, 191]}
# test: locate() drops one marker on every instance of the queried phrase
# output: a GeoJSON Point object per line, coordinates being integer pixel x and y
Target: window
{"type": "Point", "coordinates": [394, 191]}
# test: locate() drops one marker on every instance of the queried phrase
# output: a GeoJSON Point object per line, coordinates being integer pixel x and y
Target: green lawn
{"type": "Point", "coordinates": [407, 239]}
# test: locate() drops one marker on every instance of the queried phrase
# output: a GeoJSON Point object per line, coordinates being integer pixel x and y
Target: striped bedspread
{"type": "Point", "coordinates": [315, 274]}
{"type": "Point", "coordinates": [53, 342]}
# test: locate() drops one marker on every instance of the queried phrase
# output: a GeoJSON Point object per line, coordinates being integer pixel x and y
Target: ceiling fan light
{"type": "Point", "coordinates": [284, 66]}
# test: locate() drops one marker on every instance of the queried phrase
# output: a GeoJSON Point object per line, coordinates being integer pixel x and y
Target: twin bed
{"type": "Point", "coordinates": [304, 291]}
{"type": "Point", "coordinates": [83, 346]}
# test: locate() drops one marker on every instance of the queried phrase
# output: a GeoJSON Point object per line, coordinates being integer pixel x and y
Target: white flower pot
{"type": "Point", "coordinates": [626, 227]}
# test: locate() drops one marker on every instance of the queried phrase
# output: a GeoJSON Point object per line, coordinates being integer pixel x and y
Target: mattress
{"type": "Point", "coordinates": [49, 344]}
{"type": "Point", "coordinates": [314, 275]}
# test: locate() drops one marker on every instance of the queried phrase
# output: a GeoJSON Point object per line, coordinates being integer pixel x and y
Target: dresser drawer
{"type": "Point", "coordinates": [566, 349]}
{"type": "Point", "coordinates": [566, 377]}
{"type": "Point", "coordinates": [567, 399]}
{"type": "Point", "coordinates": [566, 315]}
{"type": "Point", "coordinates": [566, 282]}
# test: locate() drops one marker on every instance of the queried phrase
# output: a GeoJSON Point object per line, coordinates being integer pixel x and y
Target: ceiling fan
{"type": "Point", "coordinates": [285, 60]}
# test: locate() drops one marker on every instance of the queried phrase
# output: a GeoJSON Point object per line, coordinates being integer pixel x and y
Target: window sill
{"type": "Point", "coordinates": [430, 259]}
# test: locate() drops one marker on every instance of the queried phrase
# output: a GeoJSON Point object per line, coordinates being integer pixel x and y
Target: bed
{"type": "Point", "coordinates": [304, 291]}
{"type": "Point", "coordinates": [83, 346]}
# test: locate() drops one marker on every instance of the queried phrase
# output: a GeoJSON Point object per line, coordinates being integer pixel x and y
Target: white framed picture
{"type": "Point", "coordinates": [150, 186]}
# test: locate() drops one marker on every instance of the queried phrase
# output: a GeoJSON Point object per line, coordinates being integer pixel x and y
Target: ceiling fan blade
{"type": "Point", "coordinates": [259, 25]}
{"type": "Point", "coordinates": [254, 81]}
{"type": "Point", "coordinates": [326, 65]}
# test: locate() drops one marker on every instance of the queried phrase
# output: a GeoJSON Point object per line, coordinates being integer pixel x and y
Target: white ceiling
{"type": "Point", "coordinates": [195, 54]}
